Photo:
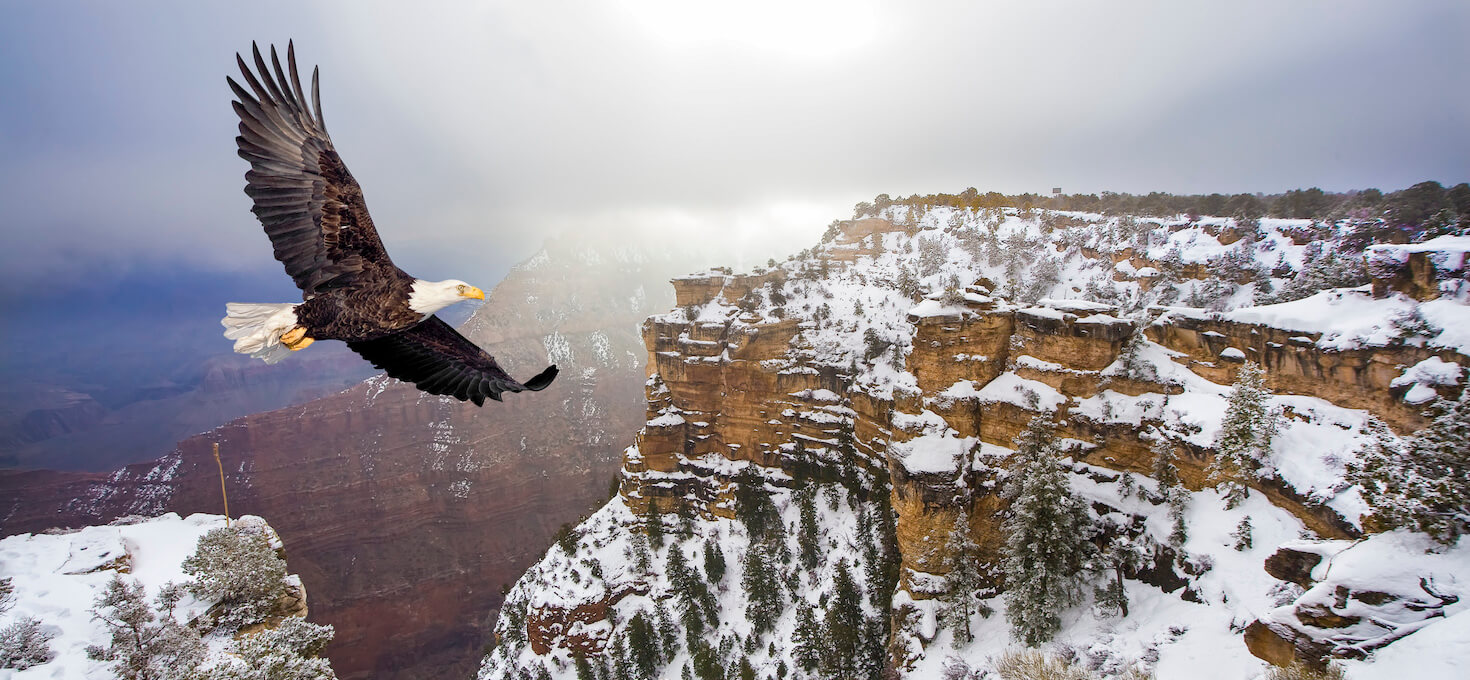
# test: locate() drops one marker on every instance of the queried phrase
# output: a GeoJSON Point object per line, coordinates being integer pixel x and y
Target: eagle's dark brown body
{"type": "Point", "coordinates": [313, 211]}
{"type": "Point", "coordinates": [362, 312]}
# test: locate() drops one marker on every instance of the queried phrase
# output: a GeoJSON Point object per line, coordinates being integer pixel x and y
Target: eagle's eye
{"type": "Point", "coordinates": [462, 289]}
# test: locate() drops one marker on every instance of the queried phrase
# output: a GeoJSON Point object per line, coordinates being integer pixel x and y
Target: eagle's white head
{"type": "Point", "coordinates": [428, 297]}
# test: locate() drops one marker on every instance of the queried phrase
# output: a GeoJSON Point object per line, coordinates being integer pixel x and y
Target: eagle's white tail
{"type": "Point", "coordinates": [257, 328]}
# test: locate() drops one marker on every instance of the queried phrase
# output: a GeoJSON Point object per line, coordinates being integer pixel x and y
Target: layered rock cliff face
{"type": "Point", "coordinates": [835, 360]}
{"type": "Point", "coordinates": [407, 514]}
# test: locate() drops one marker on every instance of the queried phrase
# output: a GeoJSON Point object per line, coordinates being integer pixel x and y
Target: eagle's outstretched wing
{"type": "Point", "coordinates": [436, 358]}
{"type": "Point", "coordinates": [308, 202]}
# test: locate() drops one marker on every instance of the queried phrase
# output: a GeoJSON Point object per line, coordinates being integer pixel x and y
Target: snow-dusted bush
{"type": "Point", "coordinates": [932, 255]}
{"type": "Point", "coordinates": [238, 568]}
{"type": "Point", "coordinates": [147, 642]}
{"type": "Point", "coordinates": [286, 652]}
{"type": "Point", "coordinates": [24, 644]}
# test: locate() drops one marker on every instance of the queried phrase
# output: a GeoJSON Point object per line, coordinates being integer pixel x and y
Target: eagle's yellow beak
{"type": "Point", "coordinates": [473, 293]}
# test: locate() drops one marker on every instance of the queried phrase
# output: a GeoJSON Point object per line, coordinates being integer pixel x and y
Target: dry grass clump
{"type": "Point", "coordinates": [1301, 671]}
{"type": "Point", "coordinates": [1034, 664]}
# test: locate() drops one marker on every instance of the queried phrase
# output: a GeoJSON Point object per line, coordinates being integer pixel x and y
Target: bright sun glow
{"type": "Point", "coordinates": [812, 29]}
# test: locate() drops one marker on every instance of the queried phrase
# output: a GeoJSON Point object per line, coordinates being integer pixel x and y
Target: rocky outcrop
{"type": "Point", "coordinates": [1363, 601]}
{"type": "Point", "coordinates": [1296, 364]}
{"type": "Point", "coordinates": [1418, 270]}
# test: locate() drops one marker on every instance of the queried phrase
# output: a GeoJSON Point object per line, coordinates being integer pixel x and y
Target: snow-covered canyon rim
{"type": "Point", "coordinates": [884, 377]}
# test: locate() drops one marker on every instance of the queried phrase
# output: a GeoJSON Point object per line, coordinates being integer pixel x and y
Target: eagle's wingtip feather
{"type": "Point", "coordinates": [542, 379]}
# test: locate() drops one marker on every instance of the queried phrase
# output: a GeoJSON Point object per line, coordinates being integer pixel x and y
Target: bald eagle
{"type": "Point", "coordinates": [313, 211]}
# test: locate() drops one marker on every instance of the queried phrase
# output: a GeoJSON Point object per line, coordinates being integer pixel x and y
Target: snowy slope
{"type": "Point", "coordinates": [58, 576]}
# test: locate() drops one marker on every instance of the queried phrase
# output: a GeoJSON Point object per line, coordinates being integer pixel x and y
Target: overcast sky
{"type": "Point", "coordinates": [478, 129]}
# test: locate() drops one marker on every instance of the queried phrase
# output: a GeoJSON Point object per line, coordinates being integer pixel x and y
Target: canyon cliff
{"type": "Point", "coordinates": [891, 348]}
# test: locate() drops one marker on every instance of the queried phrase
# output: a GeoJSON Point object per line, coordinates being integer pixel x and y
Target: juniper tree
{"type": "Point", "coordinates": [24, 644]}
{"type": "Point", "coordinates": [1243, 446]}
{"type": "Point", "coordinates": [145, 643]}
{"type": "Point", "coordinates": [238, 568]}
{"type": "Point", "coordinates": [290, 651]}
{"type": "Point", "coordinates": [1122, 554]}
{"type": "Point", "coordinates": [1046, 546]}
{"type": "Point", "coordinates": [963, 580]}
{"type": "Point", "coordinates": [1423, 481]}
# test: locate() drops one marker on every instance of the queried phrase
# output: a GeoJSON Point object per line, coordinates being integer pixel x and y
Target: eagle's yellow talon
{"type": "Point", "coordinates": [296, 338]}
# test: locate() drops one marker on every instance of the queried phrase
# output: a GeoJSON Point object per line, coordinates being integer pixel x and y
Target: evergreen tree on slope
{"type": "Point", "coordinates": [1167, 475]}
{"type": "Point", "coordinates": [1423, 481]}
{"type": "Point", "coordinates": [1243, 446]}
{"type": "Point", "coordinates": [964, 580]}
{"type": "Point", "coordinates": [1046, 549]}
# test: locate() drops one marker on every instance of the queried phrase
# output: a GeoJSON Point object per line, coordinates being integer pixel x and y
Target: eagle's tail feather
{"type": "Point", "coordinates": [256, 328]}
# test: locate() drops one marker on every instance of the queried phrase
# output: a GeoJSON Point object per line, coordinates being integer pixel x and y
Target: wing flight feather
{"type": "Point", "coordinates": [438, 360]}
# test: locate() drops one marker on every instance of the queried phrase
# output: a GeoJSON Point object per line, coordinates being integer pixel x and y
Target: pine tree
{"type": "Point", "coordinates": [908, 284]}
{"type": "Point", "coordinates": [843, 627]}
{"type": "Point", "coordinates": [807, 638]}
{"type": "Point", "coordinates": [654, 522]}
{"type": "Point", "coordinates": [584, 669]}
{"type": "Point", "coordinates": [1046, 547]}
{"type": "Point", "coordinates": [696, 604]}
{"type": "Point", "coordinates": [753, 506]}
{"type": "Point", "coordinates": [714, 561]}
{"type": "Point", "coordinates": [810, 539]}
{"type": "Point", "coordinates": [1243, 446]}
{"type": "Point", "coordinates": [964, 580]}
{"type": "Point", "coordinates": [1130, 362]}
{"type": "Point", "coordinates": [642, 643]}
{"type": "Point", "coordinates": [7, 594]}
{"type": "Point", "coordinates": [763, 592]}
{"type": "Point", "coordinates": [1242, 534]}
{"type": "Point", "coordinates": [1423, 481]}
{"type": "Point", "coordinates": [1167, 475]}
